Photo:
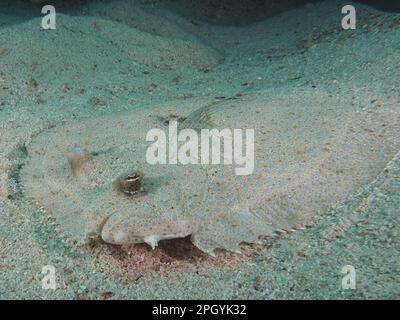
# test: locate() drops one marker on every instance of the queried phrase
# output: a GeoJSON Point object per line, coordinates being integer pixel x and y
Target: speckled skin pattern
{"type": "Point", "coordinates": [306, 162]}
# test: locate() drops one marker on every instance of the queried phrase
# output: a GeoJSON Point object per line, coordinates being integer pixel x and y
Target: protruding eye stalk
{"type": "Point", "coordinates": [131, 184]}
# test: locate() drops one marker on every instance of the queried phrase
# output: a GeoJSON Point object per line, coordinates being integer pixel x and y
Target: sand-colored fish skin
{"type": "Point", "coordinates": [303, 167]}
{"type": "Point", "coordinates": [119, 230]}
{"type": "Point", "coordinates": [81, 162]}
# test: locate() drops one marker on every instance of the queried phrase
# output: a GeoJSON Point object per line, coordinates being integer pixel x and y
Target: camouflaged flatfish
{"type": "Point", "coordinates": [311, 154]}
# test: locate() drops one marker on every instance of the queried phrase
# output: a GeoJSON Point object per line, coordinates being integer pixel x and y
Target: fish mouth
{"type": "Point", "coordinates": [119, 232]}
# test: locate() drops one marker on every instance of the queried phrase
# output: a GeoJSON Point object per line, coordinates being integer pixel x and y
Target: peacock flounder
{"type": "Point", "coordinates": [311, 154]}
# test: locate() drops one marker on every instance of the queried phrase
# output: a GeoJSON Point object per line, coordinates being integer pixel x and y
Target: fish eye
{"type": "Point", "coordinates": [131, 184]}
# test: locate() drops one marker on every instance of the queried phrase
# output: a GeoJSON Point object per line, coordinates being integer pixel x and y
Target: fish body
{"type": "Point", "coordinates": [311, 154]}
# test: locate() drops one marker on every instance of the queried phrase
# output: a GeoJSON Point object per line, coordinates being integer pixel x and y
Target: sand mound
{"type": "Point", "coordinates": [59, 54]}
{"type": "Point", "coordinates": [149, 19]}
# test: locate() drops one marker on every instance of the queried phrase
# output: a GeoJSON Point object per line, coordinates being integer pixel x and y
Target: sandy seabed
{"type": "Point", "coordinates": [101, 60]}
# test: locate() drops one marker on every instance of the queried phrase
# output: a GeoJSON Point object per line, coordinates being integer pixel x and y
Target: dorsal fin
{"type": "Point", "coordinates": [202, 117]}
